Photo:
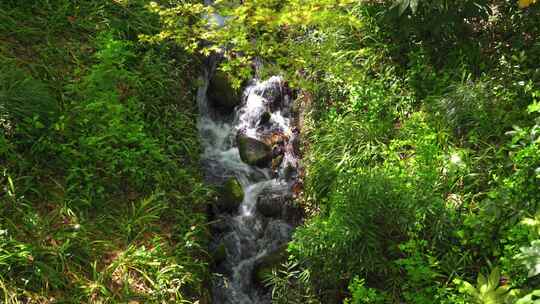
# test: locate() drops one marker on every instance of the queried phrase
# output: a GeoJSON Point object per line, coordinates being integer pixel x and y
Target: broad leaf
{"type": "Point", "coordinates": [530, 257]}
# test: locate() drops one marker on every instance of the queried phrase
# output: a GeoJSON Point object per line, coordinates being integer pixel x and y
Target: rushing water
{"type": "Point", "coordinates": [247, 236]}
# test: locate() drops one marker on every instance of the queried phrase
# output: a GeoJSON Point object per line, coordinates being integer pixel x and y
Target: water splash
{"type": "Point", "coordinates": [249, 236]}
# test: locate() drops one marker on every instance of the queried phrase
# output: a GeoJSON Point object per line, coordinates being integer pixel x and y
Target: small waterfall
{"type": "Point", "coordinates": [248, 236]}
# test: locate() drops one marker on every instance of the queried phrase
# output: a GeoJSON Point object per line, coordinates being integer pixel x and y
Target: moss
{"type": "Point", "coordinates": [231, 195]}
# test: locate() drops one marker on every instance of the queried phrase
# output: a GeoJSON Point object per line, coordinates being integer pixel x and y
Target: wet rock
{"type": "Point", "coordinates": [265, 118]}
{"type": "Point", "coordinates": [296, 142]}
{"type": "Point", "coordinates": [220, 225]}
{"type": "Point", "coordinates": [219, 254]}
{"type": "Point", "coordinates": [254, 152]}
{"type": "Point", "coordinates": [272, 261]}
{"type": "Point", "coordinates": [269, 207]}
{"type": "Point", "coordinates": [278, 138]}
{"type": "Point", "coordinates": [277, 234]}
{"type": "Point", "coordinates": [274, 94]}
{"type": "Point", "coordinates": [277, 150]}
{"type": "Point", "coordinates": [231, 242]}
{"type": "Point", "coordinates": [221, 92]}
{"type": "Point", "coordinates": [270, 204]}
{"type": "Point", "coordinates": [230, 195]}
{"type": "Point", "coordinates": [289, 172]}
{"type": "Point", "coordinates": [275, 205]}
{"type": "Point", "coordinates": [276, 162]}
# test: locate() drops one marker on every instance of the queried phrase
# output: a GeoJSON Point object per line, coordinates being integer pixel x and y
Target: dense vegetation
{"type": "Point", "coordinates": [421, 143]}
{"type": "Point", "coordinates": [421, 147]}
{"type": "Point", "coordinates": [102, 200]}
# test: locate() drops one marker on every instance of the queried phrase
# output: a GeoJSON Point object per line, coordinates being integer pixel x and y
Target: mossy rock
{"type": "Point", "coordinates": [267, 264]}
{"type": "Point", "coordinates": [230, 195]}
{"type": "Point", "coordinates": [222, 93]}
{"type": "Point", "coordinates": [254, 152]}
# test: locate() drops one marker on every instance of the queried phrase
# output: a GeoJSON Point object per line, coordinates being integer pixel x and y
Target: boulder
{"type": "Point", "coordinates": [273, 260]}
{"type": "Point", "coordinates": [265, 118]}
{"type": "Point", "coordinates": [220, 224]}
{"type": "Point", "coordinates": [275, 205]}
{"type": "Point", "coordinates": [230, 195]}
{"type": "Point", "coordinates": [219, 254]}
{"type": "Point", "coordinates": [293, 213]}
{"type": "Point", "coordinates": [221, 92]}
{"type": "Point", "coordinates": [254, 152]}
{"type": "Point", "coordinates": [270, 205]}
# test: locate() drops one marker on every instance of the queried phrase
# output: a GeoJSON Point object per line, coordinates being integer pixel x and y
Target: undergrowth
{"type": "Point", "coordinates": [102, 199]}
{"type": "Point", "coordinates": [421, 142]}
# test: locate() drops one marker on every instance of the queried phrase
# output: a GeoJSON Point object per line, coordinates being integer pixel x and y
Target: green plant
{"type": "Point", "coordinates": [364, 295]}
{"type": "Point", "coordinates": [26, 104]}
{"type": "Point", "coordinates": [290, 284]}
{"type": "Point", "coordinates": [487, 290]}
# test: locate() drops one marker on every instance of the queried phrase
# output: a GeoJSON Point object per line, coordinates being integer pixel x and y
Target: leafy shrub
{"type": "Point", "coordinates": [488, 290]}
{"type": "Point", "coordinates": [369, 215]}
{"type": "Point", "coordinates": [290, 284]}
{"type": "Point", "coordinates": [99, 157]}
{"type": "Point", "coordinates": [110, 144]}
{"type": "Point", "coordinates": [364, 295]}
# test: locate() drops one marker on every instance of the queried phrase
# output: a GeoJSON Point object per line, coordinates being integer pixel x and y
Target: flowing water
{"type": "Point", "coordinates": [249, 238]}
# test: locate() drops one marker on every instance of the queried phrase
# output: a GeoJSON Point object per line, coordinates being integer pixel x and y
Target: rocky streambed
{"type": "Point", "coordinates": [251, 153]}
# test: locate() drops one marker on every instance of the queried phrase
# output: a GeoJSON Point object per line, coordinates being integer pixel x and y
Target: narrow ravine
{"type": "Point", "coordinates": [253, 148]}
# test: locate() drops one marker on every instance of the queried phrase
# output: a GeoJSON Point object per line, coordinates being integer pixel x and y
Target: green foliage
{"type": "Point", "coordinates": [364, 295]}
{"type": "Point", "coordinates": [290, 284]}
{"type": "Point", "coordinates": [530, 257]}
{"type": "Point", "coordinates": [408, 168]}
{"type": "Point", "coordinates": [487, 290]}
{"type": "Point", "coordinates": [99, 156]}
{"type": "Point", "coordinates": [531, 298]}
{"type": "Point", "coordinates": [26, 105]}
{"type": "Point", "coordinates": [421, 138]}
{"type": "Point", "coordinates": [369, 216]}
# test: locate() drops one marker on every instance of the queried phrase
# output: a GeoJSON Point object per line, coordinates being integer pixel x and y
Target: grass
{"type": "Point", "coordinates": [139, 235]}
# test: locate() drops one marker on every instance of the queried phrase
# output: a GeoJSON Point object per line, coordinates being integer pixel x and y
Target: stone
{"type": "Point", "coordinates": [230, 195]}
{"type": "Point", "coordinates": [276, 162]}
{"type": "Point", "coordinates": [220, 224]}
{"type": "Point", "coordinates": [273, 260]}
{"type": "Point", "coordinates": [265, 118]}
{"type": "Point", "coordinates": [254, 152]}
{"type": "Point", "coordinates": [221, 92]}
{"type": "Point", "coordinates": [219, 254]}
{"type": "Point", "coordinates": [270, 205]}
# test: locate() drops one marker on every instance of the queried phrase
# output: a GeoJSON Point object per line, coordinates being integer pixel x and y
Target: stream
{"type": "Point", "coordinates": [254, 234]}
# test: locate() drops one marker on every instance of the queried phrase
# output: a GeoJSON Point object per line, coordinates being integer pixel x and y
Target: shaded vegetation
{"type": "Point", "coordinates": [421, 147]}
{"type": "Point", "coordinates": [102, 200]}
{"type": "Point", "coordinates": [422, 155]}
